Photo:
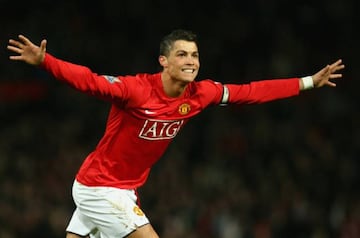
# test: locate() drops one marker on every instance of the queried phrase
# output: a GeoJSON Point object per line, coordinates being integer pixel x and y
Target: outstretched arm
{"type": "Point", "coordinates": [274, 89]}
{"type": "Point", "coordinates": [27, 51]}
{"type": "Point", "coordinates": [77, 76]}
{"type": "Point", "coordinates": [323, 77]}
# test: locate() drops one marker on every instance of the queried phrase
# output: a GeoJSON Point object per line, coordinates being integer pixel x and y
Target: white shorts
{"type": "Point", "coordinates": [105, 211]}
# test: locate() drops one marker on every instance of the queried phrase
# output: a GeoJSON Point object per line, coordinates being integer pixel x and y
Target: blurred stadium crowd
{"type": "Point", "coordinates": [284, 169]}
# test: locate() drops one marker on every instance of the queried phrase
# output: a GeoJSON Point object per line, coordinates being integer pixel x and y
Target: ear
{"type": "Point", "coordinates": [163, 61]}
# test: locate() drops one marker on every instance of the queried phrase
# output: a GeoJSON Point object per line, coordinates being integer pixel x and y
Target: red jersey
{"type": "Point", "coordinates": [143, 120]}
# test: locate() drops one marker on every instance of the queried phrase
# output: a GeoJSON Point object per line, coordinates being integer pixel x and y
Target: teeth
{"type": "Point", "coordinates": [188, 70]}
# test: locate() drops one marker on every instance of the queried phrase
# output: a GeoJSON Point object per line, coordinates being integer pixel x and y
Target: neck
{"type": "Point", "coordinates": [172, 87]}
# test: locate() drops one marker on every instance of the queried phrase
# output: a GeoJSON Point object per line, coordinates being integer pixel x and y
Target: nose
{"type": "Point", "coordinates": [190, 60]}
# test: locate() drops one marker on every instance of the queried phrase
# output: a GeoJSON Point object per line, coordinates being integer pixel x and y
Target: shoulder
{"type": "Point", "coordinates": [138, 81]}
{"type": "Point", "coordinates": [207, 91]}
{"type": "Point", "coordinates": [139, 87]}
{"type": "Point", "coordinates": [205, 85]}
{"type": "Point", "coordinates": [140, 78]}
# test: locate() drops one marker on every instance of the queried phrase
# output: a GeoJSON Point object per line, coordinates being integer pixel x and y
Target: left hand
{"type": "Point", "coordinates": [328, 73]}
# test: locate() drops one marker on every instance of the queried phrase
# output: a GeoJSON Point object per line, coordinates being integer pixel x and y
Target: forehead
{"type": "Point", "coordinates": [182, 45]}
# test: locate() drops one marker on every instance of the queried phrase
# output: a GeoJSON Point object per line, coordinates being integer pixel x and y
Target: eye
{"type": "Point", "coordinates": [195, 55]}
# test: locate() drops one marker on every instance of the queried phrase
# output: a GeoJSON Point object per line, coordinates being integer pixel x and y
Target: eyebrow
{"type": "Point", "coordinates": [184, 51]}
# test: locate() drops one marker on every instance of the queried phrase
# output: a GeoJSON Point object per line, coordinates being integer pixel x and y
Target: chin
{"type": "Point", "coordinates": [188, 79]}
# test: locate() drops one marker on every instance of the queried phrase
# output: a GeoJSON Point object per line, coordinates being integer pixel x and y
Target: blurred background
{"type": "Point", "coordinates": [284, 169]}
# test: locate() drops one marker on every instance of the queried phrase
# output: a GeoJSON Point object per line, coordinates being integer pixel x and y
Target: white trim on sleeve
{"type": "Point", "coordinates": [225, 96]}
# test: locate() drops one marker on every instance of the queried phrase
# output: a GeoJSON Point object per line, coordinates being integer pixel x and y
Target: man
{"type": "Point", "coordinates": [147, 112]}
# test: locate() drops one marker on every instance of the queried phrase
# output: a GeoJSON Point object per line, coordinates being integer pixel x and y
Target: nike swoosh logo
{"type": "Point", "coordinates": [149, 112]}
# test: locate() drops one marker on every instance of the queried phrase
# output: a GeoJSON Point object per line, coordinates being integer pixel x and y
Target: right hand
{"type": "Point", "coordinates": [27, 51]}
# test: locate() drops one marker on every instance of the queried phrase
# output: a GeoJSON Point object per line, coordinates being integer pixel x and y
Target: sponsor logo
{"type": "Point", "coordinates": [138, 211]}
{"type": "Point", "coordinates": [112, 79]}
{"type": "Point", "coordinates": [184, 109]}
{"type": "Point", "coordinates": [160, 129]}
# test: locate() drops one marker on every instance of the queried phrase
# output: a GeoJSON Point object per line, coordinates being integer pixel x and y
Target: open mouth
{"type": "Point", "coordinates": [188, 70]}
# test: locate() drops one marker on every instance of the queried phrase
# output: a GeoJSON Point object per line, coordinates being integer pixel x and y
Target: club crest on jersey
{"type": "Point", "coordinates": [160, 129]}
{"type": "Point", "coordinates": [184, 109]}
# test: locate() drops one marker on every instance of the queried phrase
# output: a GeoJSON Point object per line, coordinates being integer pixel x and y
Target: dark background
{"type": "Point", "coordinates": [288, 168]}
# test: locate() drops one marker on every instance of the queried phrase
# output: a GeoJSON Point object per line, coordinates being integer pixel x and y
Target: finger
{"type": "Point", "coordinates": [331, 84]}
{"type": "Point", "coordinates": [15, 43]}
{"type": "Point", "coordinates": [327, 72]}
{"type": "Point", "coordinates": [339, 67]}
{"type": "Point", "coordinates": [25, 40]}
{"type": "Point", "coordinates": [43, 45]}
{"type": "Point", "coordinates": [324, 70]}
{"type": "Point", "coordinates": [335, 76]}
{"type": "Point", "coordinates": [338, 62]}
{"type": "Point", "coordinates": [14, 49]}
{"type": "Point", "coordinates": [15, 57]}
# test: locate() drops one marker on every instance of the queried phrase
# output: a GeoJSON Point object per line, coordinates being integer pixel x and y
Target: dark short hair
{"type": "Point", "coordinates": [179, 34]}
